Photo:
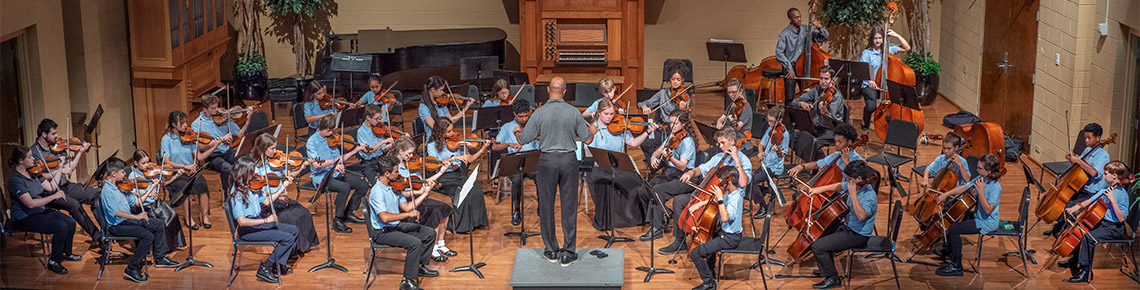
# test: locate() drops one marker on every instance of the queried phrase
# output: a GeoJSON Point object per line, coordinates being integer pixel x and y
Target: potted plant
{"type": "Point", "coordinates": [250, 76]}
{"type": "Point", "coordinates": [926, 75]}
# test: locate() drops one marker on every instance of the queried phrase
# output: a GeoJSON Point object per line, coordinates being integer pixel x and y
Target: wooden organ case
{"type": "Point", "coordinates": [583, 40]}
{"type": "Point", "coordinates": [176, 47]}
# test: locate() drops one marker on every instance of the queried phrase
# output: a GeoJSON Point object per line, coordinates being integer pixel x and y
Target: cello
{"type": "Point", "coordinates": [1069, 183]}
{"type": "Point", "coordinates": [823, 221]}
{"type": "Point", "coordinates": [699, 225]}
{"type": "Point", "coordinates": [895, 70]}
{"type": "Point", "coordinates": [805, 204]}
{"type": "Point", "coordinates": [981, 139]}
{"type": "Point", "coordinates": [954, 212]}
{"type": "Point", "coordinates": [1071, 237]}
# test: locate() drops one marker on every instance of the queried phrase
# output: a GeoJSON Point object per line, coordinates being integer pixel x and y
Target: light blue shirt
{"type": "Point", "coordinates": [834, 156]}
{"type": "Point", "coordinates": [941, 162]}
{"type": "Point", "coordinates": [179, 153]}
{"type": "Point", "coordinates": [135, 173]}
{"type": "Point", "coordinates": [709, 165]}
{"type": "Point", "coordinates": [444, 153]}
{"type": "Point", "coordinates": [988, 222]}
{"type": "Point", "coordinates": [734, 203]}
{"type": "Point", "coordinates": [382, 199]}
{"type": "Point", "coordinates": [687, 149]}
{"type": "Point", "coordinates": [1121, 195]}
{"type": "Point", "coordinates": [772, 160]}
{"type": "Point", "coordinates": [870, 202]}
{"type": "Point", "coordinates": [370, 98]}
{"type": "Point", "coordinates": [207, 125]}
{"type": "Point", "coordinates": [1097, 159]}
{"type": "Point", "coordinates": [252, 209]}
{"type": "Point", "coordinates": [264, 169]}
{"type": "Point", "coordinates": [312, 108]}
{"type": "Point", "coordinates": [317, 147]}
{"type": "Point", "coordinates": [425, 114]}
{"type": "Point", "coordinates": [365, 137]}
{"type": "Point", "coordinates": [507, 136]}
{"type": "Point", "coordinates": [494, 102]}
{"type": "Point", "coordinates": [115, 201]}
{"type": "Point", "coordinates": [874, 59]}
{"type": "Point", "coordinates": [593, 108]}
{"type": "Point", "coordinates": [603, 139]}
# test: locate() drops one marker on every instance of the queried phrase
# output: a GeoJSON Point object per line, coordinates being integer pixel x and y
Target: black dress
{"type": "Point", "coordinates": [616, 209]}
{"type": "Point", "coordinates": [473, 213]}
{"type": "Point", "coordinates": [293, 213]}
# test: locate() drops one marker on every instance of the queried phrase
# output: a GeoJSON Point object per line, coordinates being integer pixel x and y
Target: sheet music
{"type": "Point", "coordinates": [467, 185]}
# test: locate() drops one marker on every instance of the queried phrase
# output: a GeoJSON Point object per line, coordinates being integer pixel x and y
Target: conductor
{"type": "Point", "coordinates": [559, 125]}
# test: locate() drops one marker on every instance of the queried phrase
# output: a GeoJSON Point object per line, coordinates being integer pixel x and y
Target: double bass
{"type": "Point", "coordinates": [895, 70]}
{"type": "Point", "coordinates": [1069, 183]}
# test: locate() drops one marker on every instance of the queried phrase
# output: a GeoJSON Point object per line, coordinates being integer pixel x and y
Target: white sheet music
{"type": "Point", "coordinates": [467, 185]}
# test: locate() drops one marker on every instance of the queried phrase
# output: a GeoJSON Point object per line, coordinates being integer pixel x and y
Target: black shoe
{"type": "Point", "coordinates": [352, 218]}
{"type": "Point", "coordinates": [448, 252]}
{"type": "Point", "coordinates": [706, 286]}
{"type": "Point", "coordinates": [193, 227]}
{"type": "Point", "coordinates": [340, 227]}
{"type": "Point", "coordinates": [57, 268]}
{"type": "Point", "coordinates": [438, 257]}
{"type": "Point", "coordinates": [265, 273]}
{"type": "Point", "coordinates": [134, 276]}
{"type": "Point", "coordinates": [676, 246]}
{"type": "Point", "coordinates": [652, 234]}
{"type": "Point", "coordinates": [950, 269]}
{"type": "Point", "coordinates": [761, 212]}
{"type": "Point", "coordinates": [207, 226]}
{"type": "Point", "coordinates": [408, 284]}
{"type": "Point", "coordinates": [164, 262]}
{"type": "Point", "coordinates": [567, 259]}
{"type": "Point", "coordinates": [1048, 233]}
{"type": "Point", "coordinates": [516, 218]}
{"type": "Point", "coordinates": [1084, 274]}
{"type": "Point", "coordinates": [425, 272]}
{"type": "Point", "coordinates": [550, 256]}
{"type": "Point", "coordinates": [1063, 263]}
{"type": "Point", "coordinates": [815, 273]}
{"type": "Point", "coordinates": [286, 270]}
{"type": "Point", "coordinates": [828, 283]}
{"type": "Point", "coordinates": [72, 257]}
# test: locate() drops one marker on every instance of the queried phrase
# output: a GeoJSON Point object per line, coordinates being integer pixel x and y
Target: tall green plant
{"type": "Point", "coordinates": [850, 21]}
{"type": "Point", "coordinates": [249, 64]}
{"type": "Point", "coordinates": [297, 11]}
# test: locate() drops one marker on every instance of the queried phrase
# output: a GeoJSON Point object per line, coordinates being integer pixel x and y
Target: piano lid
{"type": "Point", "coordinates": [388, 40]}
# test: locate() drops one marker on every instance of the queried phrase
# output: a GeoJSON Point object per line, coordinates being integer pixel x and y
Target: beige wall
{"type": "Point", "coordinates": [960, 52]}
{"type": "Point", "coordinates": [41, 26]}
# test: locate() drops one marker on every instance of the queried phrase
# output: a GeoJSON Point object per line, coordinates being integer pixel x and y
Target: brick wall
{"type": "Point", "coordinates": [961, 52]}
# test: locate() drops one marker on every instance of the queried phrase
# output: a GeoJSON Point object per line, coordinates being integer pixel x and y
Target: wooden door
{"type": "Point", "coordinates": [1008, 55]}
{"type": "Point", "coordinates": [12, 129]}
{"type": "Point", "coordinates": [1133, 122]}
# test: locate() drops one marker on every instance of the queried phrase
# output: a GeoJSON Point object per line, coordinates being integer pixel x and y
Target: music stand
{"type": "Point", "coordinates": [462, 196]}
{"type": "Point", "coordinates": [800, 118]}
{"type": "Point", "coordinates": [614, 161]}
{"type": "Point", "coordinates": [903, 95]}
{"type": "Point", "coordinates": [852, 71]}
{"type": "Point", "coordinates": [351, 118]}
{"type": "Point", "coordinates": [493, 117]}
{"type": "Point", "coordinates": [322, 189]}
{"type": "Point", "coordinates": [350, 63]}
{"type": "Point", "coordinates": [94, 123]}
{"type": "Point", "coordinates": [516, 163]}
{"type": "Point", "coordinates": [478, 68]}
{"type": "Point", "coordinates": [190, 261]}
{"type": "Point", "coordinates": [725, 51]}
{"type": "Point", "coordinates": [708, 132]}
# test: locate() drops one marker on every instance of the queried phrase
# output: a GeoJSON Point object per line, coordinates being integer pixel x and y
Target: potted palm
{"type": "Point", "coordinates": [250, 76]}
{"type": "Point", "coordinates": [926, 71]}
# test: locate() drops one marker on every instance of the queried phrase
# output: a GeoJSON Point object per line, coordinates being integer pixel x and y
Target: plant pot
{"type": "Point", "coordinates": [926, 85]}
{"type": "Point", "coordinates": [251, 86]}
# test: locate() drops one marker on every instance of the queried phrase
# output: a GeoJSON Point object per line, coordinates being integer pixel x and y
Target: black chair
{"type": "Point", "coordinates": [375, 246]}
{"type": "Point", "coordinates": [283, 90]}
{"type": "Point", "coordinates": [238, 243]}
{"type": "Point", "coordinates": [397, 111]}
{"type": "Point", "coordinates": [7, 230]}
{"type": "Point", "coordinates": [1125, 243]}
{"type": "Point", "coordinates": [585, 94]}
{"type": "Point", "coordinates": [902, 135]}
{"type": "Point", "coordinates": [1057, 167]}
{"type": "Point", "coordinates": [257, 121]}
{"type": "Point", "coordinates": [1018, 231]}
{"type": "Point", "coordinates": [419, 126]}
{"type": "Point", "coordinates": [748, 245]}
{"type": "Point", "coordinates": [299, 122]}
{"type": "Point", "coordinates": [881, 244]}
{"type": "Point", "coordinates": [686, 74]}
{"type": "Point", "coordinates": [108, 241]}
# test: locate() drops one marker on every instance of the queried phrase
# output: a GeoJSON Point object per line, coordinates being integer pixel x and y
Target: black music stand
{"type": "Point", "coordinates": [323, 189]}
{"type": "Point", "coordinates": [351, 118]}
{"type": "Point", "coordinates": [350, 63]}
{"type": "Point", "coordinates": [708, 132]}
{"type": "Point", "coordinates": [725, 51]}
{"type": "Point", "coordinates": [851, 71]}
{"type": "Point", "coordinates": [652, 269]}
{"type": "Point", "coordinates": [516, 163]}
{"type": "Point", "coordinates": [478, 68]}
{"type": "Point", "coordinates": [800, 118]}
{"type": "Point", "coordinates": [614, 161]}
{"type": "Point", "coordinates": [493, 117]}
{"type": "Point", "coordinates": [464, 193]}
{"type": "Point", "coordinates": [94, 123]}
{"type": "Point", "coordinates": [903, 95]}
{"type": "Point", "coordinates": [190, 261]}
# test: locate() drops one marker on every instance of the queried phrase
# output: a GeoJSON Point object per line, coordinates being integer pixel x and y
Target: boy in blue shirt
{"type": "Point", "coordinates": [222, 158]}
{"type": "Point", "coordinates": [861, 184]}
{"type": "Point", "coordinates": [123, 223]}
{"type": "Point", "coordinates": [984, 218]}
{"type": "Point", "coordinates": [508, 141]}
{"type": "Point", "coordinates": [1116, 174]}
{"type": "Point", "coordinates": [394, 227]}
{"type": "Point", "coordinates": [331, 167]}
{"type": "Point", "coordinates": [729, 197]}
{"type": "Point", "coordinates": [1092, 162]}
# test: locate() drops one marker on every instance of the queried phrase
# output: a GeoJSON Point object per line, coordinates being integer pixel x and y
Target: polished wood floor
{"type": "Point", "coordinates": [21, 266]}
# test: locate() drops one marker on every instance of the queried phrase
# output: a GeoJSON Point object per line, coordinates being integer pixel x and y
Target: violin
{"type": "Point", "coordinates": [471, 141]}
{"type": "Point", "coordinates": [52, 162]}
{"type": "Point", "coordinates": [511, 100]}
{"type": "Point", "coordinates": [386, 97]}
{"type": "Point", "coordinates": [672, 142]}
{"type": "Point", "coordinates": [339, 103]}
{"type": "Point", "coordinates": [280, 160]}
{"type": "Point", "coordinates": [387, 131]}
{"type": "Point", "coordinates": [187, 137]}
{"type": "Point", "coordinates": [635, 125]}
{"type": "Point", "coordinates": [38, 168]}
{"type": "Point", "coordinates": [403, 183]}
{"type": "Point", "coordinates": [342, 141]}
{"type": "Point", "coordinates": [126, 185]}
{"type": "Point", "coordinates": [1069, 183]}
{"type": "Point", "coordinates": [452, 99]}
{"type": "Point", "coordinates": [776, 137]}
{"type": "Point", "coordinates": [270, 179]}
{"type": "Point", "coordinates": [419, 163]}
{"type": "Point", "coordinates": [205, 138]}
{"type": "Point", "coordinates": [236, 113]}
{"type": "Point", "coordinates": [737, 108]}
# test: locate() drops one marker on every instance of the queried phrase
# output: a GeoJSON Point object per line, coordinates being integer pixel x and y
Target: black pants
{"type": "Point", "coordinates": [558, 174]}
{"type": "Point", "coordinates": [197, 186]}
{"type": "Point", "coordinates": [654, 140]}
{"type": "Point", "coordinates": [58, 225]}
{"type": "Point", "coordinates": [790, 89]}
{"type": "Point", "coordinates": [285, 235]}
{"type": "Point", "coordinates": [1104, 231]}
{"type": "Point", "coordinates": [75, 209]}
{"type": "Point", "coordinates": [416, 239]}
{"type": "Point", "coordinates": [825, 248]}
{"type": "Point", "coordinates": [517, 189]}
{"type": "Point", "coordinates": [370, 168]}
{"type": "Point", "coordinates": [665, 187]}
{"type": "Point", "coordinates": [614, 193]}
{"type": "Point", "coordinates": [870, 102]}
{"type": "Point", "coordinates": [343, 185]}
{"type": "Point", "coordinates": [954, 237]}
{"type": "Point", "coordinates": [760, 187]}
{"type": "Point", "coordinates": [151, 235]}
{"type": "Point", "coordinates": [704, 256]}
{"type": "Point", "coordinates": [222, 163]}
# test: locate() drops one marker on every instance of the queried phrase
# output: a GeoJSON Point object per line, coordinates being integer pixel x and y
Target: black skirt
{"type": "Point", "coordinates": [432, 213]}
{"type": "Point", "coordinates": [473, 213]}
{"type": "Point", "coordinates": [293, 213]}
{"type": "Point", "coordinates": [615, 209]}
{"type": "Point", "coordinates": [174, 189]}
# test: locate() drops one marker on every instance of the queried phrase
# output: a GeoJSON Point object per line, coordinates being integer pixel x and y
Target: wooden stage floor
{"type": "Point", "coordinates": [22, 264]}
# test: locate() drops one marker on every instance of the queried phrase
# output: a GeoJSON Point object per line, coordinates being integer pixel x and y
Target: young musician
{"type": "Point", "coordinates": [772, 157]}
{"type": "Point", "coordinates": [608, 89]}
{"type": "Point", "coordinates": [121, 222]}
{"type": "Point", "coordinates": [393, 221]}
{"type": "Point", "coordinates": [375, 88]}
{"type": "Point", "coordinates": [331, 159]}
{"type": "Point", "coordinates": [377, 145]}
{"type": "Point", "coordinates": [668, 104]}
{"type": "Point", "coordinates": [182, 156]}
{"type": "Point", "coordinates": [1092, 162]}
{"type": "Point", "coordinates": [985, 215]}
{"type": "Point", "coordinates": [152, 204]}
{"type": "Point", "coordinates": [860, 183]}
{"type": "Point", "coordinates": [822, 112]}
{"type": "Point", "coordinates": [873, 56]}
{"type": "Point", "coordinates": [844, 137]}
{"type": "Point", "coordinates": [433, 213]}
{"type": "Point", "coordinates": [28, 195]}
{"type": "Point", "coordinates": [473, 212]}
{"type": "Point", "coordinates": [47, 134]}
{"type": "Point", "coordinates": [509, 141]}
{"type": "Point", "coordinates": [730, 156]}
{"type": "Point", "coordinates": [741, 123]}
{"type": "Point", "coordinates": [626, 210]}
{"type": "Point", "coordinates": [221, 160]}
{"type": "Point", "coordinates": [559, 124]}
{"type": "Point", "coordinates": [500, 92]}
{"type": "Point", "coordinates": [790, 46]}
{"type": "Point", "coordinates": [729, 197]}
{"type": "Point", "coordinates": [246, 204]}
{"type": "Point", "coordinates": [314, 93]}
{"type": "Point", "coordinates": [951, 156]}
{"type": "Point", "coordinates": [676, 163]}
{"type": "Point", "coordinates": [289, 211]}
{"type": "Point", "coordinates": [431, 112]}
{"type": "Point", "coordinates": [1111, 227]}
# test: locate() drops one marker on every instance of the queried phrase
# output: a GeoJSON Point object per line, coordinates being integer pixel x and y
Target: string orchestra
{"type": "Point", "coordinates": [419, 185]}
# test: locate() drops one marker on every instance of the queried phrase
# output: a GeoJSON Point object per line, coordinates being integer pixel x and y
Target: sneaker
{"type": "Point", "coordinates": [652, 234]}
{"type": "Point", "coordinates": [165, 262]}
{"type": "Point", "coordinates": [567, 259]}
{"type": "Point", "coordinates": [550, 256]}
{"type": "Point", "coordinates": [676, 246]}
{"type": "Point", "coordinates": [134, 275]}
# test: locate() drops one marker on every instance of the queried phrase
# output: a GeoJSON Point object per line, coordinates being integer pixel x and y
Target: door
{"type": "Point", "coordinates": [1008, 54]}
{"type": "Point", "coordinates": [1133, 122]}
{"type": "Point", "coordinates": [11, 133]}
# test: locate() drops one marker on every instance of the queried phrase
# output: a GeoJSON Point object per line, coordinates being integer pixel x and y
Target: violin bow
{"type": "Point", "coordinates": [385, 92]}
{"type": "Point", "coordinates": [673, 96]}
{"type": "Point", "coordinates": [516, 97]}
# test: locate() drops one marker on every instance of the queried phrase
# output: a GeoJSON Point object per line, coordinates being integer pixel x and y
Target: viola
{"type": "Point", "coordinates": [166, 171]}
{"type": "Point", "coordinates": [52, 162]}
{"type": "Point", "coordinates": [187, 137]}
{"type": "Point", "coordinates": [776, 137]}
{"type": "Point", "coordinates": [342, 141]}
{"type": "Point", "coordinates": [280, 160]}
{"type": "Point", "coordinates": [1069, 239]}
{"type": "Point", "coordinates": [261, 181]}
{"type": "Point", "coordinates": [1069, 183]}
{"type": "Point", "coordinates": [894, 70]}
{"type": "Point", "coordinates": [387, 131]}
{"type": "Point", "coordinates": [635, 125]}
{"type": "Point", "coordinates": [38, 168]}
{"type": "Point", "coordinates": [401, 184]}
{"type": "Point", "coordinates": [470, 141]}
